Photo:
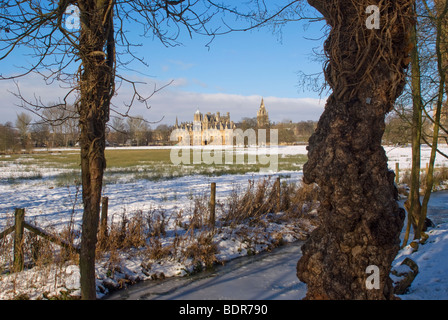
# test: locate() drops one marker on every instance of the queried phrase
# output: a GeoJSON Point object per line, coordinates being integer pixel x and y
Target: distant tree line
{"type": "Point", "coordinates": [289, 132]}
{"type": "Point", "coordinates": [24, 133]}
{"type": "Point", "coordinates": [398, 129]}
{"type": "Point", "coordinates": [136, 131]}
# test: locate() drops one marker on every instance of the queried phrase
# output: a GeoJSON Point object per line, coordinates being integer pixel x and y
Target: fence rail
{"type": "Point", "coordinates": [18, 228]}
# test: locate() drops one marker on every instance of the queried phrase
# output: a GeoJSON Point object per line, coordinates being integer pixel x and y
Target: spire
{"type": "Point", "coordinates": [262, 110]}
{"type": "Point", "coordinates": [262, 116]}
{"type": "Point", "coordinates": [177, 125]}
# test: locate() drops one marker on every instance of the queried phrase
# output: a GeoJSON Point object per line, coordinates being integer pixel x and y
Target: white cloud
{"type": "Point", "coordinates": [177, 99]}
{"type": "Point", "coordinates": [33, 89]}
{"type": "Point", "coordinates": [173, 101]}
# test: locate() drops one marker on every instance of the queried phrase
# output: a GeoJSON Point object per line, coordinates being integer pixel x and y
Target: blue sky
{"type": "Point", "coordinates": [231, 75]}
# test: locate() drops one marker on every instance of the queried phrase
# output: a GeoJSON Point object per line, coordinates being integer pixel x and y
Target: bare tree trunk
{"type": "Point", "coordinates": [442, 63]}
{"type": "Point", "coordinates": [96, 87]}
{"type": "Point", "coordinates": [413, 204]}
{"type": "Point", "coordinates": [361, 219]}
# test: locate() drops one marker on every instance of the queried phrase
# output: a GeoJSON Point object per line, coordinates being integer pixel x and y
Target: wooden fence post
{"type": "Point", "coordinates": [18, 239]}
{"type": "Point", "coordinates": [212, 204]}
{"type": "Point", "coordinates": [103, 221]}
{"type": "Point", "coordinates": [278, 194]}
{"type": "Point", "coordinates": [397, 173]}
{"type": "Point", "coordinates": [18, 228]}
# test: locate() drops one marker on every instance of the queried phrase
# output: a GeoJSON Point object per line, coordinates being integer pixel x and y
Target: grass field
{"type": "Point", "coordinates": [127, 165]}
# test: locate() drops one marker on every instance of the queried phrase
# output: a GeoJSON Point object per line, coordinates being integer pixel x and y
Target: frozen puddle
{"type": "Point", "coordinates": [265, 276]}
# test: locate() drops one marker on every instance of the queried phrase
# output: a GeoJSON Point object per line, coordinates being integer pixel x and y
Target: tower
{"type": "Point", "coordinates": [197, 128]}
{"type": "Point", "coordinates": [262, 116]}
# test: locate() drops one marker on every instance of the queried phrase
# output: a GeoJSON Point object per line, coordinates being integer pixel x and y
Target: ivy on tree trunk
{"type": "Point", "coordinates": [96, 88]}
{"type": "Point", "coordinates": [360, 218]}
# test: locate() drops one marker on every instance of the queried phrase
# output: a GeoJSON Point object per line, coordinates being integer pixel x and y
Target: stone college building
{"type": "Point", "coordinates": [210, 128]}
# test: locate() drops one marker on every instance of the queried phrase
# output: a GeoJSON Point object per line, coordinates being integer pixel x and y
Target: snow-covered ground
{"type": "Point", "coordinates": [272, 276]}
{"type": "Point", "coordinates": [431, 282]}
{"type": "Point", "coordinates": [403, 156]}
{"type": "Point", "coordinates": [54, 206]}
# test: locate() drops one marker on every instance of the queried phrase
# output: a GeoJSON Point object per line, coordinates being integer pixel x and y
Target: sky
{"type": "Point", "coordinates": [232, 74]}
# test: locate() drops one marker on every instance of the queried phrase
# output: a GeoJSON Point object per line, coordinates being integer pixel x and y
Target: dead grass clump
{"type": "Point", "coordinates": [257, 201]}
{"type": "Point", "coordinates": [6, 249]}
{"type": "Point", "coordinates": [201, 211]}
{"type": "Point", "coordinates": [40, 250]}
{"type": "Point", "coordinates": [132, 231]}
{"type": "Point", "coordinates": [440, 176]}
{"type": "Point", "coordinates": [155, 249]}
{"type": "Point", "coordinates": [302, 199]}
{"type": "Point", "coordinates": [202, 250]}
{"type": "Point", "coordinates": [439, 179]}
{"type": "Point", "coordinates": [266, 197]}
{"type": "Point", "coordinates": [135, 233]}
{"type": "Point", "coordinates": [157, 221]}
{"type": "Point", "coordinates": [71, 236]}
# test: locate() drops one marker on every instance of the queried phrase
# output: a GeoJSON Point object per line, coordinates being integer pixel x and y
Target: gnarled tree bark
{"type": "Point", "coordinates": [96, 84]}
{"type": "Point", "coordinates": [361, 220]}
